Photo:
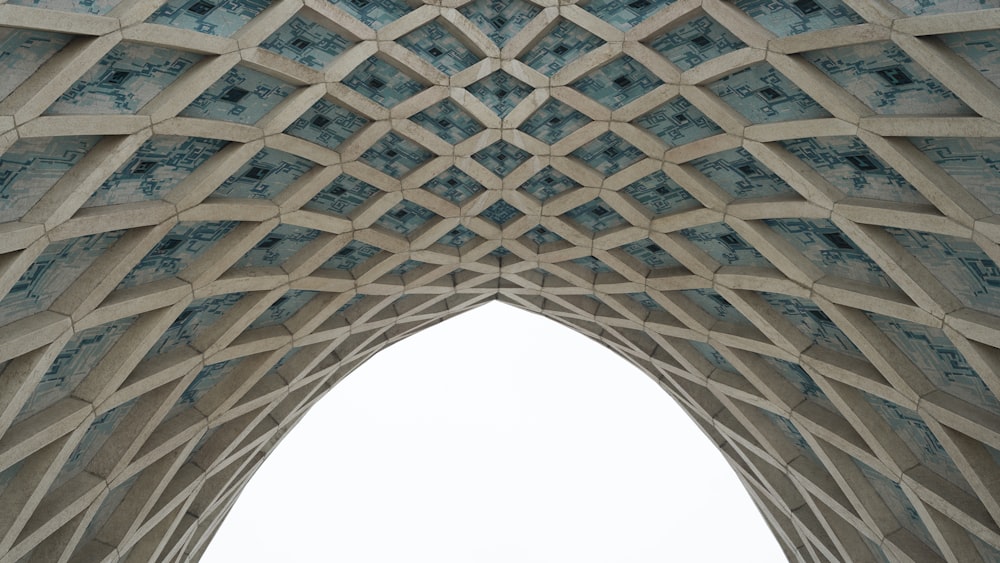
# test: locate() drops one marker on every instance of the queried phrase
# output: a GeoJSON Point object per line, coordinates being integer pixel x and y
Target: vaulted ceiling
{"type": "Point", "coordinates": [784, 212]}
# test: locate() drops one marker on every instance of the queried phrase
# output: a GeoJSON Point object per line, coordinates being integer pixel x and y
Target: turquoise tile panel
{"type": "Point", "coordinates": [500, 92]}
{"type": "Point", "coordinates": [381, 82]}
{"type": "Point", "coordinates": [193, 321]}
{"type": "Point", "coordinates": [53, 271]}
{"type": "Point", "coordinates": [659, 194]}
{"type": "Point", "coordinates": [264, 175]}
{"type": "Point", "coordinates": [677, 122]}
{"type": "Point", "coordinates": [284, 308]}
{"type": "Point", "coordinates": [553, 122]}
{"type": "Point", "coordinates": [974, 163]}
{"type": "Point", "coordinates": [351, 256]}
{"type": "Point", "coordinates": [448, 121]}
{"type": "Point", "coordinates": [454, 185]}
{"type": "Point", "coordinates": [436, 45]}
{"type": "Point", "coordinates": [161, 163]}
{"type": "Point", "coordinates": [342, 196]}
{"type": "Point", "coordinates": [184, 243]}
{"type": "Point", "coordinates": [712, 355]}
{"type": "Point", "coordinates": [306, 41]}
{"type": "Point", "coordinates": [277, 247]}
{"type": "Point", "coordinates": [501, 158]}
{"type": "Point", "coordinates": [540, 235]}
{"type": "Point", "coordinates": [960, 265]}
{"type": "Point", "coordinates": [374, 13]}
{"type": "Point", "coordinates": [887, 80]}
{"type": "Point", "coordinates": [23, 51]}
{"type": "Point", "coordinates": [813, 322]}
{"type": "Point", "coordinates": [350, 303]}
{"type": "Point", "coordinates": [31, 166]}
{"type": "Point", "coordinates": [76, 359]}
{"type": "Point", "coordinates": [618, 82]}
{"type": "Point", "coordinates": [206, 379]}
{"type": "Point", "coordinates": [764, 95]}
{"type": "Point", "coordinates": [326, 124]}
{"type": "Point", "coordinates": [981, 49]}
{"type": "Point", "coordinates": [395, 155]}
{"type": "Point", "coordinates": [847, 163]}
{"type": "Point", "coordinates": [829, 248]}
{"type": "Point", "coordinates": [699, 40]}
{"type": "Point", "coordinates": [405, 268]}
{"type": "Point", "coordinates": [214, 17]}
{"type": "Point", "coordinates": [500, 252]}
{"type": "Point", "coordinates": [547, 183]}
{"type": "Point", "coordinates": [931, 351]}
{"type": "Point", "coordinates": [594, 264]}
{"type": "Point", "coordinates": [457, 237]}
{"type": "Point", "coordinates": [723, 244]}
{"type": "Point", "coordinates": [500, 212]}
{"type": "Point", "coordinates": [646, 301]}
{"type": "Point", "coordinates": [715, 305]}
{"type": "Point", "coordinates": [651, 254]}
{"type": "Point", "coordinates": [405, 217]}
{"type": "Point", "coordinates": [124, 80]}
{"type": "Point", "coordinates": [799, 16]}
{"type": "Point", "coordinates": [564, 43]}
{"type": "Point", "coordinates": [624, 14]}
{"type": "Point", "coordinates": [596, 216]}
{"type": "Point", "coordinates": [927, 7]}
{"type": "Point", "coordinates": [242, 96]}
{"type": "Point", "coordinates": [500, 20]}
{"type": "Point", "coordinates": [740, 174]}
{"type": "Point", "coordinates": [608, 153]}
{"type": "Point", "coordinates": [95, 7]}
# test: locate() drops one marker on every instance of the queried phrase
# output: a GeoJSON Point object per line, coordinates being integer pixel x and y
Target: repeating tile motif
{"type": "Point", "coordinates": [651, 254]}
{"type": "Point", "coordinates": [182, 245]}
{"type": "Point", "coordinates": [715, 305]}
{"type": "Point", "coordinates": [457, 237]}
{"type": "Point", "coordinates": [677, 122]}
{"type": "Point", "coordinates": [160, 164]}
{"type": "Point", "coordinates": [207, 378]}
{"type": "Point", "coordinates": [959, 264]}
{"type": "Point", "coordinates": [241, 96]}
{"type": "Point", "coordinates": [740, 174]}
{"type": "Point", "coordinates": [342, 196]}
{"type": "Point", "coordinates": [660, 195]}
{"type": "Point", "coordinates": [764, 95]}
{"type": "Point", "coordinates": [548, 182]}
{"type": "Point", "coordinates": [553, 122]}
{"type": "Point", "coordinates": [697, 41]}
{"type": "Point", "coordinates": [594, 265]}
{"type": "Point", "coordinates": [813, 322]}
{"type": "Point", "coordinates": [981, 49]}
{"type": "Point", "coordinates": [306, 41]}
{"type": "Point", "coordinates": [800, 16]}
{"type": "Point", "coordinates": [214, 17]}
{"type": "Point", "coordinates": [608, 153]}
{"type": "Point", "coordinates": [351, 256]}
{"type": "Point", "coordinates": [326, 124]}
{"type": "Point", "coordinates": [448, 121]}
{"type": "Point", "coordinates": [722, 243]}
{"type": "Point", "coordinates": [646, 301]}
{"type": "Point", "coordinates": [500, 212]}
{"type": "Point", "coordinates": [95, 7]}
{"type": "Point", "coordinates": [974, 163]}
{"type": "Point", "coordinates": [374, 13]}
{"type": "Point", "coordinates": [395, 155]}
{"type": "Point", "coordinates": [72, 365]}
{"type": "Point", "coordinates": [927, 7]}
{"type": "Point", "coordinates": [596, 216]}
{"type": "Point", "coordinates": [500, 92]}
{"type": "Point", "coordinates": [623, 15]}
{"type": "Point", "coordinates": [194, 320]}
{"type": "Point", "coordinates": [566, 42]}
{"type": "Point", "coordinates": [24, 51]}
{"type": "Point", "coordinates": [284, 308]}
{"type": "Point", "coordinates": [405, 217]}
{"type": "Point", "coordinates": [128, 77]}
{"type": "Point", "coordinates": [830, 249]}
{"type": "Point", "coordinates": [405, 268]}
{"type": "Point", "coordinates": [500, 20]}
{"type": "Point", "coordinates": [435, 44]}
{"type": "Point", "coordinates": [887, 80]}
{"type": "Point", "coordinates": [277, 247]}
{"type": "Point", "coordinates": [32, 166]}
{"type": "Point", "coordinates": [618, 83]}
{"type": "Point", "coordinates": [712, 355]}
{"type": "Point", "coordinates": [540, 235]}
{"type": "Point", "coordinates": [501, 158]}
{"type": "Point", "coordinates": [454, 185]}
{"type": "Point", "coordinates": [848, 164]}
{"type": "Point", "coordinates": [51, 273]}
{"type": "Point", "coordinates": [381, 82]}
{"type": "Point", "coordinates": [264, 176]}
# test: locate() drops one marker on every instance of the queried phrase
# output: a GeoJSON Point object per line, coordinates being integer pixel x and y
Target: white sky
{"type": "Point", "coordinates": [496, 436]}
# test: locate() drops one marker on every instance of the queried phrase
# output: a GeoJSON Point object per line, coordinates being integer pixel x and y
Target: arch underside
{"type": "Point", "coordinates": [785, 213]}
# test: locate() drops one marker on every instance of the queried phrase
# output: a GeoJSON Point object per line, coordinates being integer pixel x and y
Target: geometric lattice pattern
{"type": "Point", "coordinates": [784, 212]}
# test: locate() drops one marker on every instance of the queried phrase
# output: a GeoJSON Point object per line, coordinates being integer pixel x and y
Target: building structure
{"type": "Point", "coordinates": [783, 212]}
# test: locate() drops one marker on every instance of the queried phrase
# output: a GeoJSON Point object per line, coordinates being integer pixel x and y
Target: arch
{"type": "Point", "coordinates": [785, 212]}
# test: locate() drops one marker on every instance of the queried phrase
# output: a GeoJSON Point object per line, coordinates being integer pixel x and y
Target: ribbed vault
{"type": "Point", "coordinates": [783, 212]}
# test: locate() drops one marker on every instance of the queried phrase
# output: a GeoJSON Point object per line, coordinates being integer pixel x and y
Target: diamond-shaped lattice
{"type": "Point", "coordinates": [618, 82]}
{"type": "Point", "coordinates": [327, 124]}
{"type": "Point", "coordinates": [553, 121]}
{"type": "Point", "coordinates": [500, 92]}
{"type": "Point", "coordinates": [501, 158]}
{"type": "Point", "coordinates": [454, 185]}
{"type": "Point", "coordinates": [378, 80]}
{"type": "Point", "coordinates": [395, 155]}
{"type": "Point", "coordinates": [405, 217]}
{"type": "Point", "coordinates": [566, 42]}
{"type": "Point", "coordinates": [448, 121]}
